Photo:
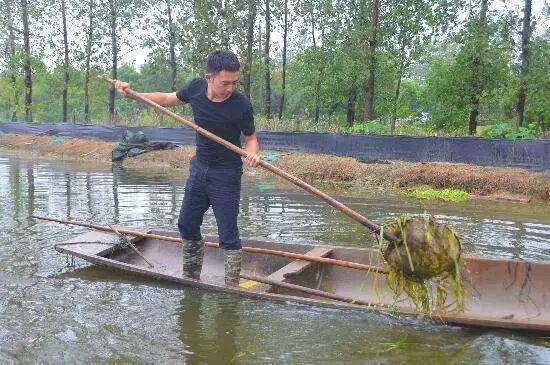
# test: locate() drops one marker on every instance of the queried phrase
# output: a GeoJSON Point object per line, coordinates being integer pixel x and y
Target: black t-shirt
{"type": "Point", "coordinates": [226, 119]}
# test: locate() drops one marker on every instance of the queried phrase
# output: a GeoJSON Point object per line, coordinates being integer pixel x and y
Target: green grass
{"type": "Point", "coordinates": [452, 195]}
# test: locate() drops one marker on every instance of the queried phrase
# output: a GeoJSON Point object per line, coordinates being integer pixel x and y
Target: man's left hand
{"type": "Point", "coordinates": [252, 160]}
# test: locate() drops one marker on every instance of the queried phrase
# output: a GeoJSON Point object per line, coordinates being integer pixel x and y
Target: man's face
{"type": "Point", "coordinates": [223, 83]}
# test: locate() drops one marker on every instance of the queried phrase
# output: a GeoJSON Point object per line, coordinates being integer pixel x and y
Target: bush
{"type": "Point", "coordinates": [506, 130]}
{"type": "Point", "coordinates": [372, 127]}
{"type": "Point", "coordinates": [411, 126]}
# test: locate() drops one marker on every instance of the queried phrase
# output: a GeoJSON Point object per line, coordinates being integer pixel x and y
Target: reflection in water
{"type": "Point", "coordinates": [267, 212]}
{"type": "Point", "coordinates": [115, 199]}
{"type": "Point", "coordinates": [98, 315]}
{"type": "Point", "coordinates": [208, 328]}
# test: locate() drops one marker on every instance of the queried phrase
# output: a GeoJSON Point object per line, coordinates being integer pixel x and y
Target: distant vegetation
{"type": "Point", "coordinates": [418, 67]}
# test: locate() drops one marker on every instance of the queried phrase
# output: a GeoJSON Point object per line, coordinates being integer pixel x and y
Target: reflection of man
{"type": "Point", "coordinates": [215, 172]}
{"type": "Point", "coordinates": [208, 327]}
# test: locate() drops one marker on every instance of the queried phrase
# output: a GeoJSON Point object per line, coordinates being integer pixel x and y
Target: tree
{"type": "Point", "coordinates": [525, 35]}
{"type": "Point", "coordinates": [171, 45]}
{"type": "Point", "coordinates": [371, 57]}
{"type": "Point", "coordinates": [409, 28]}
{"type": "Point", "coordinates": [89, 41]}
{"type": "Point", "coordinates": [477, 85]}
{"type": "Point", "coordinates": [27, 62]}
{"type": "Point", "coordinates": [283, 82]}
{"type": "Point", "coordinates": [114, 58]}
{"type": "Point", "coordinates": [247, 69]}
{"type": "Point", "coordinates": [66, 60]}
{"type": "Point", "coordinates": [10, 58]}
{"type": "Point", "coordinates": [267, 72]}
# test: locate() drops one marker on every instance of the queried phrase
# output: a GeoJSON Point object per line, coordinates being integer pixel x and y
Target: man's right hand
{"type": "Point", "coordinates": [121, 87]}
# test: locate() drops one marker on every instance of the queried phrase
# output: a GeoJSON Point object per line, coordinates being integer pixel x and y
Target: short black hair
{"type": "Point", "coordinates": [221, 61]}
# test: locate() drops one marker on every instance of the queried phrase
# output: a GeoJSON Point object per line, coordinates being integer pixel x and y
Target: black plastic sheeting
{"type": "Point", "coordinates": [530, 154]}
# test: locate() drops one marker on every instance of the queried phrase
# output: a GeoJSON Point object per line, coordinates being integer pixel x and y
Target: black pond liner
{"type": "Point", "coordinates": [529, 154]}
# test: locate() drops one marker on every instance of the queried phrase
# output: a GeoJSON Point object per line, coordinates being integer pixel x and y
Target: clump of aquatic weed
{"type": "Point", "coordinates": [451, 195]}
{"type": "Point", "coordinates": [426, 256]}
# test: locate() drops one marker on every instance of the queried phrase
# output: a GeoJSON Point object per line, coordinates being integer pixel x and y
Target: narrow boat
{"type": "Point", "coordinates": [502, 293]}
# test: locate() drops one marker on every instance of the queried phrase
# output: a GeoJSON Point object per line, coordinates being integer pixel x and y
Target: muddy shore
{"type": "Point", "coordinates": [344, 174]}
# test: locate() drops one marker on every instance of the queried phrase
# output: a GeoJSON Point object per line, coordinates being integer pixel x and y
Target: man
{"type": "Point", "coordinates": [215, 171]}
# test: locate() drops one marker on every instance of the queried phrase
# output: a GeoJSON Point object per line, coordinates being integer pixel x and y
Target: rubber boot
{"type": "Point", "coordinates": [192, 258]}
{"type": "Point", "coordinates": [232, 265]}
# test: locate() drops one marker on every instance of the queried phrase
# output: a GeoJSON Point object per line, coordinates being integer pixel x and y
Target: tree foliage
{"type": "Point", "coordinates": [424, 56]}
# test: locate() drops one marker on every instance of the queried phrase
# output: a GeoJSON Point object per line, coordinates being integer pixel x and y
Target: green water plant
{"type": "Point", "coordinates": [425, 260]}
{"type": "Point", "coordinates": [452, 195]}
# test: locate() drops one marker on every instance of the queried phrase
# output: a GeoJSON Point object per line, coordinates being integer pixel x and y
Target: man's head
{"type": "Point", "coordinates": [222, 73]}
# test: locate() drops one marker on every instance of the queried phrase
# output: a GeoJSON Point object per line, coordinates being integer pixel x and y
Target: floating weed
{"type": "Point", "coordinates": [452, 195]}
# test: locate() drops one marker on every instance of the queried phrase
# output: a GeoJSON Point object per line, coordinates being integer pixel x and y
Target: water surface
{"type": "Point", "coordinates": [51, 312]}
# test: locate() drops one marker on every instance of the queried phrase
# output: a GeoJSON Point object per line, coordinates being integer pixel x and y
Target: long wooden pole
{"type": "Point", "coordinates": [373, 227]}
{"type": "Point", "coordinates": [177, 240]}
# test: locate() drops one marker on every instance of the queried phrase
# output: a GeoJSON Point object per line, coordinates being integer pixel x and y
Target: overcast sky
{"type": "Point", "coordinates": [137, 56]}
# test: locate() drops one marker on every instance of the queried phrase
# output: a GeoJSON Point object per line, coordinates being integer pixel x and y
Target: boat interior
{"type": "Point", "coordinates": [498, 289]}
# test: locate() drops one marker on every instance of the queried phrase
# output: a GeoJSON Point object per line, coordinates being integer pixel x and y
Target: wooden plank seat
{"type": "Point", "coordinates": [288, 271]}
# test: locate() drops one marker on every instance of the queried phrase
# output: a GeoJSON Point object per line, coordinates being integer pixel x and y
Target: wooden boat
{"type": "Point", "coordinates": [507, 294]}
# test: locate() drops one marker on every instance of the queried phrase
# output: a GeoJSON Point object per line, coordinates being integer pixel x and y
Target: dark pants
{"type": "Point", "coordinates": [216, 187]}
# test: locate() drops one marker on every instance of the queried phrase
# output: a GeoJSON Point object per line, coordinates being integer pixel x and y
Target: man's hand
{"type": "Point", "coordinates": [252, 147]}
{"type": "Point", "coordinates": [121, 87]}
{"type": "Point", "coordinates": [252, 160]}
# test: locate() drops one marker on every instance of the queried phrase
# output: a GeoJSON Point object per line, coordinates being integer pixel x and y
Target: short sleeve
{"type": "Point", "coordinates": [247, 121]}
{"type": "Point", "coordinates": [188, 90]}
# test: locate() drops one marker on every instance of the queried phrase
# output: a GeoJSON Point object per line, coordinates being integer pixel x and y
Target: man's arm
{"type": "Point", "coordinates": [163, 99]}
{"type": "Point", "coordinates": [252, 146]}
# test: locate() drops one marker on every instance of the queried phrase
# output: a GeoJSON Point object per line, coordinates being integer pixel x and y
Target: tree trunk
{"type": "Point", "coordinates": [88, 55]}
{"type": "Point", "coordinates": [474, 103]}
{"type": "Point", "coordinates": [249, 48]}
{"type": "Point", "coordinates": [476, 82]}
{"type": "Point", "coordinates": [66, 61]}
{"type": "Point", "coordinates": [27, 63]}
{"type": "Point", "coordinates": [318, 79]}
{"type": "Point", "coordinates": [171, 43]}
{"type": "Point", "coordinates": [369, 87]}
{"type": "Point", "coordinates": [525, 35]}
{"type": "Point", "coordinates": [283, 83]}
{"type": "Point", "coordinates": [113, 15]}
{"type": "Point", "coordinates": [397, 88]}
{"type": "Point", "coordinates": [11, 63]}
{"type": "Point", "coordinates": [352, 96]}
{"type": "Point", "coordinates": [267, 85]}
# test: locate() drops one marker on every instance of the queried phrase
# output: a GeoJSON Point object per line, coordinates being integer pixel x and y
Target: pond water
{"type": "Point", "coordinates": [51, 313]}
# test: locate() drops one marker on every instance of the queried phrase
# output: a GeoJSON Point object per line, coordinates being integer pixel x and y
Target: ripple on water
{"type": "Point", "coordinates": [92, 314]}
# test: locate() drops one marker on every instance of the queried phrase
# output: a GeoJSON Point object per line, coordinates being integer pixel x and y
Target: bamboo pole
{"type": "Point", "coordinates": [177, 240]}
{"type": "Point", "coordinates": [131, 245]}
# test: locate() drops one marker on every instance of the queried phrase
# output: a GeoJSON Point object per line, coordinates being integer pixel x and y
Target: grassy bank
{"type": "Point", "coordinates": [344, 172]}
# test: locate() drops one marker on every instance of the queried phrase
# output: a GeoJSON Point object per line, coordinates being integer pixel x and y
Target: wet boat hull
{"type": "Point", "coordinates": [507, 294]}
